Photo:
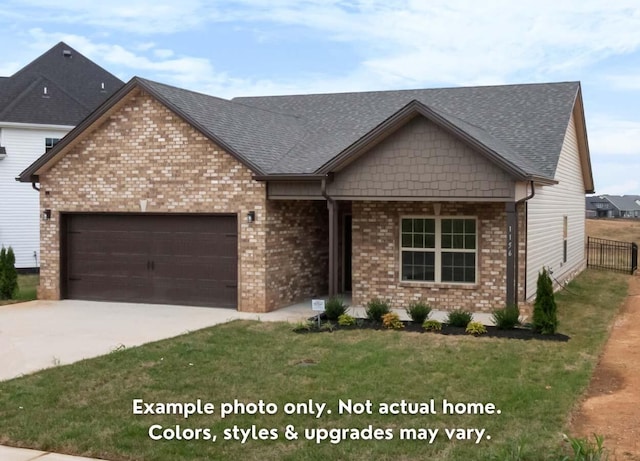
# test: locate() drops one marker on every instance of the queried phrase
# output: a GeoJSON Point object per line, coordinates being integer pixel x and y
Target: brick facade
{"type": "Point", "coordinates": [143, 151]}
{"type": "Point", "coordinates": [297, 255]}
{"type": "Point", "coordinates": [376, 259]}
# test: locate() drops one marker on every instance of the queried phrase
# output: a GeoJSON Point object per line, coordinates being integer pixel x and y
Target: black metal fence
{"type": "Point", "coordinates": [612, 255]}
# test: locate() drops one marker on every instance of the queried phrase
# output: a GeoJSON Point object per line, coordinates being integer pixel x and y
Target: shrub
{"type": "Point", "coordinates": [432, 325]}
{"type": "Point", "coordinates": [392, 321]}
{"type": "Point", "coordinates": [334, 308]}
{"type": "Point", "coordinates": [506, 318]}
{"type": "Point", "coordinates": [418, 312]}
{"type": "Point", "coordinates": [459, 318]}
{"type": "Point", "coordinates": [346, 320]}
{"type": "Point", "coordinates": [475, 328]}
{"type": "Point", "coordinates": [8, 274]}
{"type": "Point", "coordinates": [376, 308]}
{"type": "Point", "coordinates": [545, 318]}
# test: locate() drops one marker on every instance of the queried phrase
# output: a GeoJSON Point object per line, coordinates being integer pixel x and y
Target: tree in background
{"type": "Point", "coordinates": [8, 274]}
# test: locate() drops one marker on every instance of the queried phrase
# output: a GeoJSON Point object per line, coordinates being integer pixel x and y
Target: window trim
{"type": "Point", "coordinates": [438, 250]}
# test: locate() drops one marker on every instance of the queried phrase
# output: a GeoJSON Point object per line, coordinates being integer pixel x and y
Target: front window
{"type": "Point", "coordinates": [438, 249]}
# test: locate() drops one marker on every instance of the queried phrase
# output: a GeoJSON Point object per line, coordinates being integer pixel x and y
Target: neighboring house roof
{"type": "Point", "coordinates": [58, 88]}
{"type": "Point", "coordinates": [520, 128]}
{"type": "Point", "coordinates": [625, 202]}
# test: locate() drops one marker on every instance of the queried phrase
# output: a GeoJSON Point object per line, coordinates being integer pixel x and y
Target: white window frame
{"type": "Point", "coordinates": [438, 249]}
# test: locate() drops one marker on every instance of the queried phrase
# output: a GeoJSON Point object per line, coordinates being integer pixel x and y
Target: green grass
{"type": "Point", "coordinates": [86, 408]}
{"type": "Point", "coordinates": [27, 289]}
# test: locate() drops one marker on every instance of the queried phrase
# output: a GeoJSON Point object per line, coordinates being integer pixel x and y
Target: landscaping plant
{"type": "Point", "coordinates": [432, 325]}
{"type": "Point", "coordinates": [475, 328]}
{"type": "Point", "coordinates": [376, 308]}
{"type": "Point", "coordinates": [334, 308]}
{"type": "Point", "coordinates": [545, 318]}
{"type": "Point", "coordinates": [8, 274]}
{"type": "Point", "coordinates": [418, 311]}
{"type": "Point", "coordinates": [459, 318]}
{"type": "Point", "coordinates": [392, 321]}
{"type": "Point", "coordinates": [506, 318]}
{"type": "Point", "coordinates": [346, 320]}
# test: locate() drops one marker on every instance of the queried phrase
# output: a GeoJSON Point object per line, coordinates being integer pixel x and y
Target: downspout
{"type": "Point", "coordinates": [33, 184]}
{"type": "Point", "coordinates": [332, 206]}
{"type": "Point", "coordinates": [526, 241]}
{"type": "Point", "coordinates": [513, 266]}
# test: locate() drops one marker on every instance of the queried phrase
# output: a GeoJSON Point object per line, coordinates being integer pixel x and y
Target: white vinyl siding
{"type": "Point", "coordinates": [19, 203]}
{"type": "Point", "coordinates": [546, 219]}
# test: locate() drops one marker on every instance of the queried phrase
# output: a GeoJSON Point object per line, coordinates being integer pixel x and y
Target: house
{"type": "Point", "coordinates": [456, 196]}
{"type": "Point", "coordinates": [39, 104]}
{"type": "Point", "coordinates": [597, 206]}
{"type": "Point", "coordinates": [613, 206]}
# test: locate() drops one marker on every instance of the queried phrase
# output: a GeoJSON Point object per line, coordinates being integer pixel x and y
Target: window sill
{"type": "Point", "coordinates": [440, 286]}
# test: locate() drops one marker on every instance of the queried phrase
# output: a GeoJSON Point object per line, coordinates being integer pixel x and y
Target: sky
{"type": "Point", "coordinates": [268, 47]}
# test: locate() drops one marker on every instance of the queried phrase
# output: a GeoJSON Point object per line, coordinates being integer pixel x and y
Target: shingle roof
{"type": "Point", "coordinates": [526, 123]}
{"type": "Point", "coordinates": [625, 202]}
{"type": "Point", "coordinates": [521, 127]}
{"type": "Point", "coordinates": [75, 86]}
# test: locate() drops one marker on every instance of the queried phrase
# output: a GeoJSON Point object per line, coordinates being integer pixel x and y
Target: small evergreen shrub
{"type": "Point", "coordinates": [8, 274]}
{"type": "Point", "coordinates": [346, 320]}
{"type": "Point", "coordinates": [459, 318]}
{"type": "Point", "coordinates": [418, 311]}
{"type": "Point", "coordinates": [376, 308]}
{"type": "Point", "coordinates": [475, 328]}
{"type": "Point", "coordinates": [392, 321]}
{"type": "Point", "coordinates": [432, 325]}
{"type": "Point", "coordinates": [334, 308]}
{"type": "Point", "coordinates": [545, 318]}
{"type": "Point", "coordinates": [506, 318]}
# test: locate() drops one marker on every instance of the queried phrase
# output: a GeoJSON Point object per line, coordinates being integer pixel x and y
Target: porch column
{"type": "Point", "coordinates": [512, 254]}
{"type": "Point", "coordinates": [332, 205]}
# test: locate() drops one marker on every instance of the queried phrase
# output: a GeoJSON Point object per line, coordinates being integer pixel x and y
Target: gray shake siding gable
{"type": "Point", "coordinates": [305, 166]}
{"type": "Point", "coordinates": [421, 160]}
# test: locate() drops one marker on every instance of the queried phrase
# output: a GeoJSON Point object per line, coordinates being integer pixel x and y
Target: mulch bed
{"type": "Point", "coordinates": [447, 330]}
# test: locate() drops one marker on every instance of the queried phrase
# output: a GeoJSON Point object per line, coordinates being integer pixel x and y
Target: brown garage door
{"type": "Point", "coordinates": [172, 259]}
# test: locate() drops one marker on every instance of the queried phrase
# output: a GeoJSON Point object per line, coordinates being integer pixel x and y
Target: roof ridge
{"type": "Point", "coordinates": [409, 90]}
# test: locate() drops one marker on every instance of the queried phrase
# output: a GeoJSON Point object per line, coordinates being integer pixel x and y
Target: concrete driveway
{"type": "Point", "coordinates": [42, 334]}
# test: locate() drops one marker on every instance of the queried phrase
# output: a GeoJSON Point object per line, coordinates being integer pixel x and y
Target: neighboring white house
{"type": "Point", "coordinates": [39, 104]}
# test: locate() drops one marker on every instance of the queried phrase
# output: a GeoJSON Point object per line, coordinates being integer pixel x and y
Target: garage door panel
{"type": "Point", "coordinates": [176, 259]}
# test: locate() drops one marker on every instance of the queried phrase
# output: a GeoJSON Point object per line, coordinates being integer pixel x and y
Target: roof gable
{"type": "Point", "coordinates": [80, 86]}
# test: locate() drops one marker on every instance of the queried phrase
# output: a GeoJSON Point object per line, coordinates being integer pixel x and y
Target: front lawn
{"type": "Point", "coordinates": [86, 408]}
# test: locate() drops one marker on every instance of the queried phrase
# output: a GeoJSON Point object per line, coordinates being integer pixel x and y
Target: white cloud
{"type": "Point", "coordinates": [609, 135]}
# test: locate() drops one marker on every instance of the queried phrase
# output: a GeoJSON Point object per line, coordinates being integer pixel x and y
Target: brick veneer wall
{"type": "Point", "coordinates": [297, 251]}
{"type": "Point", "coordinates": [143, 151]}
{"type": "Point", "coordinates": [376, 261]}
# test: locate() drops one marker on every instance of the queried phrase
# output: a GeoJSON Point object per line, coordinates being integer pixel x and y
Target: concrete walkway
{"type": "Point", "coordinates": [41, 334]}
